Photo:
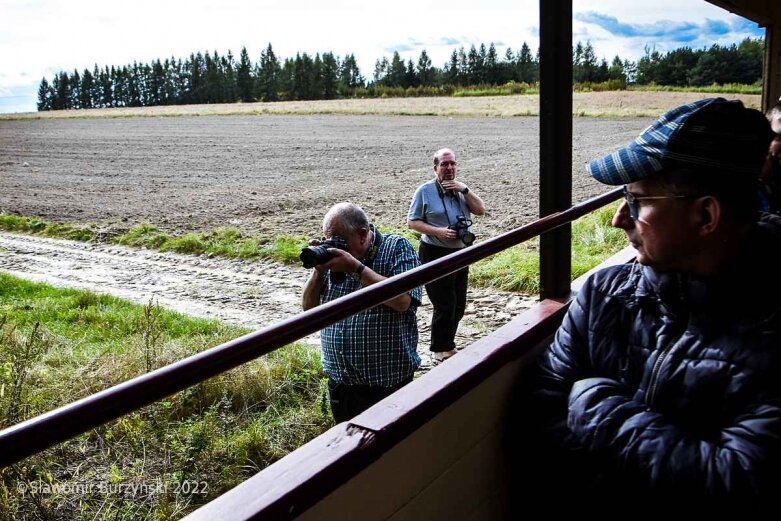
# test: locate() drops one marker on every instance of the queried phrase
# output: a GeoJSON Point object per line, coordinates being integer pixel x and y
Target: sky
{"type": "Point", "coordinates": [42, 37]}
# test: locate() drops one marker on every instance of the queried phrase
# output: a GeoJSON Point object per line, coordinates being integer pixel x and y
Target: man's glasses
{"type": "Point", "coordinates": [446, 164]}
{"type": "Point", "coordinates": [633, 201]}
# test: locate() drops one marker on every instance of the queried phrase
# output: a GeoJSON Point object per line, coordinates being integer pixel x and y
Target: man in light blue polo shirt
{"type": "Point", "coordinates": [439, 208]}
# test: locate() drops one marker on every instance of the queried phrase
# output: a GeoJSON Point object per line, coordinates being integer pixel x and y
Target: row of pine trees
{"type": "Point", "coordinates": [212, 78]}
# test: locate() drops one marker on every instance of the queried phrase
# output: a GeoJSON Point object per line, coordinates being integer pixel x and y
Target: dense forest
{"type": "Point", "coordinates": [212, 78]}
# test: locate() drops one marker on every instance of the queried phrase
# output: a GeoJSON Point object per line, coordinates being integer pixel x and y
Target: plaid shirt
{"type": "Point", "coordinates": [376, 347]}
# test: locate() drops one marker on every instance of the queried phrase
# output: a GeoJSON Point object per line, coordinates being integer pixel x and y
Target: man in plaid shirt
{"type": "Point", "coordinates": [371, 354]}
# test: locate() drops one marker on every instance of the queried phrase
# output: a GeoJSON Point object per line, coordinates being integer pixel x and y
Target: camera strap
{"type": "Point", "coordinates": [442, 192]}
{"type": "Point", "coordinates": [368, 259]}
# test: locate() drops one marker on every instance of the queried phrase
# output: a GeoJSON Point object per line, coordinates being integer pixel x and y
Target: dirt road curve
{"type": "Point", "coordinates": [253, 294]}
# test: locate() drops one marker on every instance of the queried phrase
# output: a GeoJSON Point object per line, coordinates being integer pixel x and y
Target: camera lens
{"type": "Point", "coordinates": [308, 257]}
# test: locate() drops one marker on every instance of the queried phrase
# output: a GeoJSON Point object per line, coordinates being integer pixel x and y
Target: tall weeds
{"type": "Point", "coordinates": [151, 331]}
{"type": "Point", "coordinates": [59, 345]}
{"type": "Point", "coordinates": [18, 356]}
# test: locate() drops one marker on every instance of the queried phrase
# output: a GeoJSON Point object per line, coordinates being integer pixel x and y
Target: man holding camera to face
{"type": "Point", "coordinates": [371, 354]}
{"type": "Point", "coordinates": [441, 209]}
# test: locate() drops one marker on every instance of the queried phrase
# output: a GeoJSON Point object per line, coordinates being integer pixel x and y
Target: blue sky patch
{"type": "Point", "coordinates": [675, 32]}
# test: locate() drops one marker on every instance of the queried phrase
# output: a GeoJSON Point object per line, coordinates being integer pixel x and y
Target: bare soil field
{"type": "Point", "coordinates": [274, 174]}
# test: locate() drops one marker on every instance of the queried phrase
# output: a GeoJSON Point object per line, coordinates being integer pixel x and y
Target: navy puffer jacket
{"type": "Point", "coordinates": [672, 385]}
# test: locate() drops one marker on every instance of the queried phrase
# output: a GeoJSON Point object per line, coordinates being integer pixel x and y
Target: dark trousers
{"type": "Point", "coordinates": [348, 401]}
{"type": "Point", "coordinates": [448, 297]}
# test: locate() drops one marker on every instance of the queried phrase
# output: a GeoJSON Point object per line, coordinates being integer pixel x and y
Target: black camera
{"type": "Point", "coordinates": [312, 256]}
{"type": "Point", "coordinates": [462, 230]}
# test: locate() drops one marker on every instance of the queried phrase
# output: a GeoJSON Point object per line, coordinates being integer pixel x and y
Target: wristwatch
{"type": "Point", "coordinates": [465, 190]}
{"type": "Point", "coordinates": [356, 275]}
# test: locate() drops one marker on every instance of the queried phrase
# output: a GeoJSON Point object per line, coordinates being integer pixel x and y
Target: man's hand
{"type": "Point", "coordinates": [446, 233]}
{"type": "Point", "coordinates": [342, 261]}
{"type": "Point", "coordinates": [597, 409]}
{"type": "Point", "coordinates": [473, 201]}
{"type": "Point", "coordinates": [452, 184]}
{"type": "Point", "coordinates": [440, 232]}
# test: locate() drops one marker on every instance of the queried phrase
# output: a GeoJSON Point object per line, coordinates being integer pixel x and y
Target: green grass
{"type": "Point", "coordinates": [222, 242]}
{"type": "Point", "coordinates": [58, 345]}
{"type": "Point", "coordinates": [410, 235]}
{"type": "Point", "coordinates": [517, 269]}
{"type": "Point", "coordinates": [35, 226]}
{"type": "Point", "coordinates": [513, 88]}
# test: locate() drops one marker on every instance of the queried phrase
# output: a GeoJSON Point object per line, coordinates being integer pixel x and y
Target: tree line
{"type": "Point", "coordinates": [736, 63]}
{"type": "Point", "coordinates": [212, 78]}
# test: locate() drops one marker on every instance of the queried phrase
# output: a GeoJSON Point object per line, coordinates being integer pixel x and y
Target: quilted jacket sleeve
{"type": "Point", "coordinates": [742, 460]}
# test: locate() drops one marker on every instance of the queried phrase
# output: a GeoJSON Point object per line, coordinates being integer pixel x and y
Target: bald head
{"type": "Point", "coordinates": [345, 219]}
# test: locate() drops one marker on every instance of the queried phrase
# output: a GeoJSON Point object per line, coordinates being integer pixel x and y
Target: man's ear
{"type": "Point", "coordinates": [709, 212]}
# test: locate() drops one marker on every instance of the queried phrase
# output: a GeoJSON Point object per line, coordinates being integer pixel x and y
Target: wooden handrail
{"type": "Point", "coordinates": [304, 477]}
{"type": "Point", "coordinates": [43, 431]}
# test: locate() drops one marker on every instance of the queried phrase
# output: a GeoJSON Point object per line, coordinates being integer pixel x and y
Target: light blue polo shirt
{"type": "Point", "coordinates": [438, 208]}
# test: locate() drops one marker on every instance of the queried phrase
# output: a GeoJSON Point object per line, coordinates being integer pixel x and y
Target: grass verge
{"type": "Point", "coordinates": [58, 345]}
{"type": "Point", "coordinates": [516, 269]}
{"type": "Point", "coordinates": [223, 242]}
{"type": "Point", "coordinates": [716, 88]}
{"type": "Point", "coordinates": [35, 226]}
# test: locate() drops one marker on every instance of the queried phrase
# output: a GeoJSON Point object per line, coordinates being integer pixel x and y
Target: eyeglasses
{"type": "Point", "coordinates": [446, 164]}
{"type": "Point", "coordinates": [633, 201]}
{"type": "Point", "coordinates": [335, 241]}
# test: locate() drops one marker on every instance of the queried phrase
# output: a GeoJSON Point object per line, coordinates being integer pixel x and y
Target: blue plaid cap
{"type": "Point", "coordinates": [711, 132]}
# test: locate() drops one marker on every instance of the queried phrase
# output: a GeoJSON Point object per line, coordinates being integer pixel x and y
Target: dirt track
{"type": "Point", "coordinates": [251, 294]}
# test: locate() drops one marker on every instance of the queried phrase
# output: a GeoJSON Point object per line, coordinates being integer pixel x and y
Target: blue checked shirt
{"type": "Point", "coordinates": [376, 347]}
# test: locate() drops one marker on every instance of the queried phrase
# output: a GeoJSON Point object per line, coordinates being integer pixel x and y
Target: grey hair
{"type": "Point", "coordinates": [346, 218]}
{"type": "Point", "coordinates": [441, 152]}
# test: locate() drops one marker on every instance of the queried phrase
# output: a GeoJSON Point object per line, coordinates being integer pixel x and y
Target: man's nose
{"type": "Point", "coordinates": [622, 219]}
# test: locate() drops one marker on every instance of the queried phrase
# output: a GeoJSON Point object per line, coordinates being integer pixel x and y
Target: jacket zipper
{"type": "Point", "coordinates": [655, 372]}
{"type": "Point", "coordinates": [677, 330]}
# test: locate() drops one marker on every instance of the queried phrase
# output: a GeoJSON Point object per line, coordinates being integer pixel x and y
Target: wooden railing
{"type": "Point", "coordinates": [46, 430]}
{"type": "Point", "coordinates": [439, 448]}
